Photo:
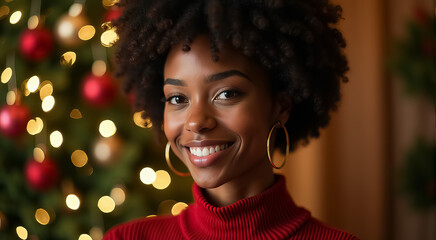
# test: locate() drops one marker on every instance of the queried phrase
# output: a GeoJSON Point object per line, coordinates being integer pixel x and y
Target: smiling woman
{"type": "Point", "coordinates": [232, 74]}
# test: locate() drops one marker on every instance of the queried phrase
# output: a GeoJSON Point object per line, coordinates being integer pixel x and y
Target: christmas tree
{"type": "Point", "coordinates": [75, 157]}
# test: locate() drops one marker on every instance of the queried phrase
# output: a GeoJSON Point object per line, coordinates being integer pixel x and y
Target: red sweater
{"type": "Point", "coordinates": [269, 215]}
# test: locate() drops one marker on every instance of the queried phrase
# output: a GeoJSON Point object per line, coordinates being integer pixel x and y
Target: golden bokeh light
{"type": "Point", "coordinates": [42, 216]}
{"type": "Point", "coordinates": [86, 32]}
{"type": "Point", "coordinates": [72, 201]}
{"type": "Point", "coordinates": [109, 37]}
{"type": "Point", "coordinates": [6, 75]}
{"type": "Point", "coordinates": [48, 103]}
{"type": "Point", "coordinates": [11, 97]}
{"type": "Point", "coordinates": [15, 17]}
{"type": "Point", "coordinates": [79, 158]}
{"type": "Point", "coordinates": [147, 175]}
{"type": "Point", "coordinates": [162, 181]}
{"type": "Point", "coordinates": [107, 128]}
{"type": "Point", "coordinates": [68, 59]}
{"type": "Point", "coordinates": [22, 232]}
{"type": "Point", "coordinates": [76, 114]}
{"type": "Point", "coordinates": [38, 154]}
{"type": "Point", "coordinates": [33, 84]}
{"type": "Point", "coordinates": [46, 89]}
{"type": "Point", "coordinates": [102, 151]}
{"type": "Point", "coordinates": [33, 22]}
{"type": "Point", "coordinates": [109, 3]}
{"type": "Point", "coordinates": [99, 68]}
{"type": "Point", "coordinates": [56, 139]}
{"type": "Point", "coordinates": [75, 10]}
{"type": "Point", "coordinates": [4, 11]}
{"type": "Point", "coordinates": [106, 204]}
{"type": "Point", "coordinates": [178, 208]}
{"type": "Point", "coordinates": [35, 126]}
{"type": "Point", "coordinates": [118, 195]}
{"type": "Point", "coordinates": [140, 122]}
{"type": "Point", "coordinates": [96, 233]}
{"type": "Point", "coordinates": [84, 237]}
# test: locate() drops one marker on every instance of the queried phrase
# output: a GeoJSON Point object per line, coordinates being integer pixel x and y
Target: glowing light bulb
{"type": "Point", "coordinates": [15, 17]}
{"type": "Point", "coordinates": [6, 75]}
{"type": "Point", "coordinates": [72, 201]}
{"type": "Point", "coordinates": [33, 84]}
{"type": "Point", "coordinates": [118, 195]}
{"type": "Point", "coordinates": [48, 103]}
{"type": "Point", "coordinates": [68, 59]}
{"type": "Point", "coordinates": [147, 175]}
{"type": "Point", "coordinates": [22, 232]}
{"type": "Point", "coordinates": [86, 32]}
{"type": "Point", "coordinates": [178, 208]}
{"type": "Point", "coordinates": [84, 237]}
{"type": "Point", "coordinates": [106, 204]}
{"type": "Point", "coordinates": [42, 216]}
{"type": "Point", "coordinates": [56, 139]}
{"type": "Point", "coordinates": [107, 128]}
{"type": "Point", "coordinates": [163, 180]}
{"type": "Point", "coordinates": [79, 158]}
{"type": "Point", "coordinates": [109, 37]}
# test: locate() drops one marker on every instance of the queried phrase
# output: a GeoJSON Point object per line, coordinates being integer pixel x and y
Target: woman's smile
{"type": "Point", "coordinates": [205, 153]}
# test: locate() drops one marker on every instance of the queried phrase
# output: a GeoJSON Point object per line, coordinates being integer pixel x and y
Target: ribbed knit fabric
{"type": "Point", "coordinates": [269, 215]}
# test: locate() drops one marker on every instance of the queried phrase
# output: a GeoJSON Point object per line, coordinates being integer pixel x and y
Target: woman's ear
{"type": "Point", "coordinates": [283, 107]}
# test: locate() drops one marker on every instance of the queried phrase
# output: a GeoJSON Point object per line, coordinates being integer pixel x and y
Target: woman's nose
{"type": "Point", "coordinates": [200, 119]}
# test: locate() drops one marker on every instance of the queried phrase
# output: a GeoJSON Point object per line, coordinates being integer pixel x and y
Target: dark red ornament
{"type": "Point", "coordinates": [112, 14]}
{"type": "Point", "coordinates": [99, 91]}
{"type": "Point", "coordinates": [13, 120]}
{"type": "Point", "coordinates": [41, 176]}
{"type": "Point", "coordinates": [36, 44]}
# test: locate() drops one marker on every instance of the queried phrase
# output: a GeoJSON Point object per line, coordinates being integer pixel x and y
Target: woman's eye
{"type": "Point", "coordinates": [228, 94]}
{"type": "Point", "coordinates": [175, 100]}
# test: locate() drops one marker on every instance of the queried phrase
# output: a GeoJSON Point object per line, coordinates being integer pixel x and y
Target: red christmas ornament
{"type": "Point", "coordinates": [36, 44]}
{"type": "Point", "coordinates": [112, 14]}
{"type": "Point", "coordinates": [99, 91]}
{"type": "Point", "coordinates": [13, 120]}
{"type": "Point", "coordinates": [41, 176]}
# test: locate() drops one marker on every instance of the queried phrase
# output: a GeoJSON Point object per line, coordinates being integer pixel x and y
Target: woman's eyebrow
{"type": "Point", "coordinates": [211, 78]}
{"type": "Point", "coordinates": [173, 81]}
{"type": "Point", "coordinates": [226, 74]}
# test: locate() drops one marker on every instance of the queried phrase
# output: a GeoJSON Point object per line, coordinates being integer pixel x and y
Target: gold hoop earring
{"type": "Point", "coordinates": [167, 158]}
{"type": "Point", "coordinates": [278, 124]}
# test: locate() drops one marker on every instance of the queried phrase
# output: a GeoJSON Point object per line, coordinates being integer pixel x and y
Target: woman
{"type": "Point", "coordinates": [233, 77]}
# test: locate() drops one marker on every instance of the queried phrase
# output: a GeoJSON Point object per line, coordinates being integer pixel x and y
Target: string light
{"type": "Point", "coordinates": [75, 114]}
{"type": "Point", "coordinates": [35, 126]}
{"type": "Point", "coordinates": [11, 97]}
{"type": "Point", "coordinates": [33, 22]}
{"type": "Point", "coordinates": [6, 75]}
{"type": "Point", "coordinates": [162, 181]}
{"type": "Point", "coordinates": [147, 175]}
{"type": "Point", "coordinates": [75, 10]}
{"type": "Point", "coordinates": [107, 128]}
{"type": "Point", "coordinates": [72, 201]}
{"type": "Point", "coordinates": [102, 151]}
{"type": "Point", "coordinates": [106, 204]}
{"type": "Point", "coordinates": [178, 208]}
{"type": "Point", "coordinates": [33, 84]}
{"type": "Point", "coordinates": [141, 122]}
{"type": "Point", "coordinates": [22, 232]}
{"type": "Point", "coordinates": [48, 103]}
{"type": "Point", "coordinates": [109, 37]}
{"type": "Point", "coordinates": [56, 139]}
{"type": "Point", "coordinates": [96, 233]}
{"type": "Point", "coordinates": [4, 11]}
{"type": "Point", "coordinates": [79, 158]}
{"type": "Point", "coordinates": [118, 195]}
{"type": "Point", "coordinates": [15, 17]}
{"type": "Point", "coordinates": [38, 154]}
{"type": "Point", "coordinates": [99, 68]}
{"type": "Point", "coordinates": [86, 32]}
{"type": "Point", "coordinates": [84, 237]}
{"type": "Point", "coordinates": [46, 89]}
{"type": "Point", "coordinates": [42, 216]}
{"type": "Point", "coordinates": [68, 59]}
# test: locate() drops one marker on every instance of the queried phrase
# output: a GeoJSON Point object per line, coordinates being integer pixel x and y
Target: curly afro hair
{"type": "Point", "coordinates": [296, 41]}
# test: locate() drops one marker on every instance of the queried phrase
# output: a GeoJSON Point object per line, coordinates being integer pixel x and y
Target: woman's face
{"type": "Point", "coordinates": [218, 114]}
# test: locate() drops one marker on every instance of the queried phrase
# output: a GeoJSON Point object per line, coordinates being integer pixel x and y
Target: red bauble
{"type": "Point", "coordinates": [13, 120]}
{"type": "Point", "coordinates": [99, 91]}
{"type": "Point", "coordinates": [112, 14]}
{"type": "Point", "coordinates": [41, 176]}
{"type": "Point", "coordinates": [36, 44]}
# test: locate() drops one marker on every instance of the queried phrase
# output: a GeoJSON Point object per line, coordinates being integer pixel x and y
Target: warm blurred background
{"type": "Point", "coordinates": [75, 159]}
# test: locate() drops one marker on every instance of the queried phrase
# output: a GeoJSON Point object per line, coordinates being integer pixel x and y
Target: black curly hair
{"type": "Point", "coordinates": [296, 41]}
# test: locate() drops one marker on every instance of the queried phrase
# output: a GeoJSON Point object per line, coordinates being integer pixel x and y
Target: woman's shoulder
{"type": "Point", "coordinates": [315, 229]}
{"type": "Point", "coordinates": [146, 228]}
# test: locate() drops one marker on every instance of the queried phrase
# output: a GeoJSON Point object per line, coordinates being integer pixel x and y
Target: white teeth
{"type": "Point", "coordinates": [206, 151]}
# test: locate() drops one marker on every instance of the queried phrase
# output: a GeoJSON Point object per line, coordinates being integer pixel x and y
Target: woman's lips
{"type": "Point", "coordinates": [205, 155]}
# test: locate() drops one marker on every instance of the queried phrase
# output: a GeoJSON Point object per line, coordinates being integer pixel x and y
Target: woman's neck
{"type": "Point", "coordinates": [247, 185]}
